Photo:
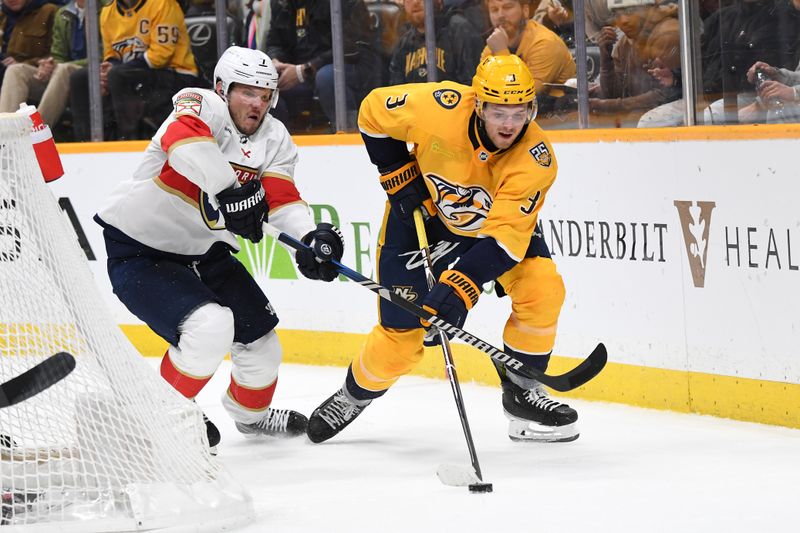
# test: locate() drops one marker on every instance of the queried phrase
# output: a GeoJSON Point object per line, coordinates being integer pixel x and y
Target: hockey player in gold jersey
{"type": "Point", "coordinates": [481, 169]}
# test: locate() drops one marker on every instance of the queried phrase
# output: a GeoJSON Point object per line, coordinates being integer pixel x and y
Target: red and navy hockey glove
{"type": "Point", "coordinates": [450, 299]}
{"type": "Point", "coordinates": [406, 189]}
{"type": "Point", "coordinates": [245, 209]}
{"type": "Point", "coordinates": [326, 243]}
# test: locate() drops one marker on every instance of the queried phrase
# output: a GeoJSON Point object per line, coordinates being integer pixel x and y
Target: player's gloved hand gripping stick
{"type": "Point", "coordinates": [572, 379]}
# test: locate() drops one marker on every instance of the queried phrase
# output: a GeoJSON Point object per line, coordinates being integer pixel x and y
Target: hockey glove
{"type": "Point", "coordinates": [406, 189]}
{"type": "Point", "coordinates": [245, 209]}
{"type": "Point", "coordinates": [326, 243]}
{"type": "Point", "coordinates": [450, 299]}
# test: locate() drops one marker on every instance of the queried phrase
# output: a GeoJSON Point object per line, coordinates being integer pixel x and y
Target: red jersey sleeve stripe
{"type": "Point", "coordinates": [185, 127]}
{"type": "Point", "coordinates": [280, 191]}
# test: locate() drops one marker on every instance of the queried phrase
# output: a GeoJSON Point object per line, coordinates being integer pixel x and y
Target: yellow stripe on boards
{"type": "Point", "coordinates": [751, 400]}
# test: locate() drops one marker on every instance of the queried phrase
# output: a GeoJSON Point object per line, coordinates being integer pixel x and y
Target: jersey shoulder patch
{"type": "Point", "coordinates": [541, 154]}
{"type": "Point", "coordinates": [447, 98]}
{"type": "Point", "coordinates": [188, 103]}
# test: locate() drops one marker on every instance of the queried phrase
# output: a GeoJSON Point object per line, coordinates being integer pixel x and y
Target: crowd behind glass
{"type": "Point", "coordinates": [746, 57]}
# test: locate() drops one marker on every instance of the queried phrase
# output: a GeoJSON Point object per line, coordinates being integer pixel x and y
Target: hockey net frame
{"type": "Point", "coordinates": [112, 447]}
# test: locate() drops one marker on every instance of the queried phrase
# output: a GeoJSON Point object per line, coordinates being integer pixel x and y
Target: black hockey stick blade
{"type": "Point", "coordinates": [35, 380]}
{"type": "Point", "coordinates": [565, 382]}
{"type": "Point", "coordinates": [589, 368]}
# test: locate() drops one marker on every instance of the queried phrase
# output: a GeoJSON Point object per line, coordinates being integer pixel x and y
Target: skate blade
{"type": "Point", "coordinates": [457, 475]}
{"type": "Point", "coordinates": [527, 431]}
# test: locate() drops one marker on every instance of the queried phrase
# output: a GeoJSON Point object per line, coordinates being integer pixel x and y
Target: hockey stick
{"type": "Point", "coordinates": [450, 475]}
{"type": "Point", "coordinates": [572, 379]}
{"type": "Point", "coordinates": [35, 380]}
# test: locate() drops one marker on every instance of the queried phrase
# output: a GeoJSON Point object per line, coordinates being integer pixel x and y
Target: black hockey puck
{"type": "Point", "coordinates": [480, 487]}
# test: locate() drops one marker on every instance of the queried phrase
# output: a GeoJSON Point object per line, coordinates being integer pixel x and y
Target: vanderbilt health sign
{"type": "Point", "coordinates": [678, 255]}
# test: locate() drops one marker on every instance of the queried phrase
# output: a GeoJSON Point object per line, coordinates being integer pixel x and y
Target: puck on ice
{"type": "Point", "coordinates": [480, 487]}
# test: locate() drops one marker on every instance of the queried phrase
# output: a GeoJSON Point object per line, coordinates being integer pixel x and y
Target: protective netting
{"type": "Point", "coordinates": [112, 447]}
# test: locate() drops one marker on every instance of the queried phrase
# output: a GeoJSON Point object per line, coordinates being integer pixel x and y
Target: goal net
{"type": "Point", "coordinates": [112, 447]}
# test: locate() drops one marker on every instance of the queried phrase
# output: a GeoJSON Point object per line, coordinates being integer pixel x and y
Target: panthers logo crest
{"type": "Point", "coordinates": [447, 98]}
{"type": "Point", "coordinates": [465, 208]}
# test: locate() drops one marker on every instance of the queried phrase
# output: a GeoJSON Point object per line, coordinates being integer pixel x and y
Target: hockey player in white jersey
{"type": "Point", "coordinates": [218, 167]}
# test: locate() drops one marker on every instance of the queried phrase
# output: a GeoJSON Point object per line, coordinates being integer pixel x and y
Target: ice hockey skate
{"type": "Point", "coordinates": [276, 423]}
{"type": "Point", "coordinates": [534, 417]}
{"type": "Point", "coordinates": [333, 415]}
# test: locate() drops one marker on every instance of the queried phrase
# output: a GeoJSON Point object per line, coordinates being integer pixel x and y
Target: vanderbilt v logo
{"type": "Point", "coordinates": [696, 223]}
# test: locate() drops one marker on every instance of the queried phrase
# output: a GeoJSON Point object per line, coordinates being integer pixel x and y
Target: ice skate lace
{"type": "Point", "coordinates": [339, 411]}
{"type": "Point", "coordinates": [276, 420]}
{"type": "Point", "coordinates": [539, 400]}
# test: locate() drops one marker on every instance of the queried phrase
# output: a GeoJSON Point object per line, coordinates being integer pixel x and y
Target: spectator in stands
{"type": "Point", "coordinates": [473, 10]}
{"type": "Point", "coordinates": [458, 46]}
{"type": "Point", "coordinates": [598, 15]}
{"type": "Point", "coordinates": [26, 27]}
{"type": "Point", "coordinates": [557, 16]}
{"type": "Point", "coordinates": [650, 34]}
{"type": "Point", "coordinates": [778, 88]}
{"type": "Point", "coordinates": [545, 54]}
{"type": "Point", "coordinates": [778, 97]}
{"type": "Point", "coordinates": [733, 40]}
{"type": "Point", "coordinates": [299, 43]}
{"type": "Point", "coordinates": [48, 83]}
{"type": "Point", "coordinates": [147, 58]}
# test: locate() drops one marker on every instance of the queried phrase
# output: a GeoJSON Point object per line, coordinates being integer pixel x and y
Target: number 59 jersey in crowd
{"type": "Point", "coordinates": [170, 202]}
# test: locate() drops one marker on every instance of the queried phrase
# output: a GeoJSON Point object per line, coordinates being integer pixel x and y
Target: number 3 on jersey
{"type": "Point", "coordinates": [394, 102]}
{"type": "Point", "coordinates": [527, 209]}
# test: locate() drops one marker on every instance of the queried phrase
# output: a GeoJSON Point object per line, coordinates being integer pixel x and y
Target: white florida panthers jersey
{"type": "Point", "coordinates": [170, 202]}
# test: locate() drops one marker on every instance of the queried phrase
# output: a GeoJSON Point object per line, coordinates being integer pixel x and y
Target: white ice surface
{"type": "Point", "coordinates": [631, 470]}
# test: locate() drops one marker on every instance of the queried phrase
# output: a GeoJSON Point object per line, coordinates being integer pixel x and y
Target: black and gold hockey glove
{"type": "Point", "coordinates": [406, 189]}
{"type": "Point", "coordinates": [450, 299]}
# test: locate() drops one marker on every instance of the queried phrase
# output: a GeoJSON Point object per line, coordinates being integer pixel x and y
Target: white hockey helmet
{"type": "Point", "coordinates": [248, 67]}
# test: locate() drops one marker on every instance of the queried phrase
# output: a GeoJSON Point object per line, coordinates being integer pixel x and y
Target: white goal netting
{"type": "Point", "coordinates": [112, 447]}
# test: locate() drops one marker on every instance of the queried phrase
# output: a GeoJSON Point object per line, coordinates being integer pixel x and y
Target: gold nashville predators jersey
{"type": "Point", "coordinates": [478, 191]}
{"type": "Point", "coordinates": [152, 29]}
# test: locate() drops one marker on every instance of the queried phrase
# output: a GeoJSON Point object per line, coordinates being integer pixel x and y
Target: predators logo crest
{"type": "Point", "coordinates": [464, 208]}
{"type": "Point", "coordinates": [129, 49]}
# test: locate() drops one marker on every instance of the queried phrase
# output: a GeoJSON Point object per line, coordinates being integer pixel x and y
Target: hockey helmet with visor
{"type": "Point", "coordinates": [504, 79]}
{"type": "Point", "coordinates": [248, 67]}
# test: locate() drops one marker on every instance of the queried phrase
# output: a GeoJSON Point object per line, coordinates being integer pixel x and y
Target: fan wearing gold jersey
{"type": "Point", "coordinates": [481, 169]}
{"type": "Point", "coordinates": [147, 58]}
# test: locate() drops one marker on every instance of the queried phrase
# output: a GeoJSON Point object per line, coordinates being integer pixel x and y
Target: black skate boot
{"type": "Point", "coordinates": [532, 415]}
{"type": "Point", "coordinates": [333, 415]}
{"type": "Point", "coordinates": [213, 435]}
{"type": "Point", "coordinates": [276, 423]}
